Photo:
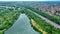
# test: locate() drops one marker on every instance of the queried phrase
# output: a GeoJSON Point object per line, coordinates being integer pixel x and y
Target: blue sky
{"type": "Point", "coordinates": [29, 0]}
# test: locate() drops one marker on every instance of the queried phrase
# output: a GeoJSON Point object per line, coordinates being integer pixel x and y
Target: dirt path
{"type": "Point", "coordinates": [38, 26]}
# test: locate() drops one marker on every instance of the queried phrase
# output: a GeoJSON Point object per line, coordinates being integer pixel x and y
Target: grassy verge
{"type": "Point", "coordinates": [45, 26]}
{"type": "Point", "coordinates": [52, 18]}
{"type": "Point", "coordinates": [38, 27]}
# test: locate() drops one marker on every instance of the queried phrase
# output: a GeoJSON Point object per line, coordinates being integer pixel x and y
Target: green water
{"type": "Point", "coordinates": [21, 26]}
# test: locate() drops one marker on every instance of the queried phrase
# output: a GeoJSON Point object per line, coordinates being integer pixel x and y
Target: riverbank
{"type": "Point", "coordinates": [44, 25]}
{"type": "Point", "coordinates": [34, 24]}
{"type": "Point", "coordinates": [2, 31]}
{"type": "Point", "coordinates": [21, 26]}
{"type": "Point", "coordinates": [7, 19]}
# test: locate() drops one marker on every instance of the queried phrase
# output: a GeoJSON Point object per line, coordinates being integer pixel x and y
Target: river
{"type": "Point", "coordinates": [21, 26]}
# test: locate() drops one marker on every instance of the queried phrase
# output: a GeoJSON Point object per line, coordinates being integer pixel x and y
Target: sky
{"type": "Point", "coordinates": [29, 0]}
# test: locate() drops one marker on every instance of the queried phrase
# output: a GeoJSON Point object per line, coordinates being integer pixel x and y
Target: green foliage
{"type": "Point", "coordinates": [45, 26]}
{"type": "Point", "coordinates": [8, 17]}
{"type": "Point", "coordinates": [52, 18]}
{"type": "Point", "coordinates": [58, 11]}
